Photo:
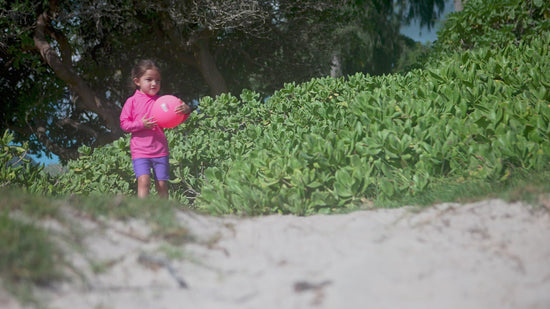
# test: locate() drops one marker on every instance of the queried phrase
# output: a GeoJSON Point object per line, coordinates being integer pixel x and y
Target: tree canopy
{"type": "Point", "coordinates": [65, 64]}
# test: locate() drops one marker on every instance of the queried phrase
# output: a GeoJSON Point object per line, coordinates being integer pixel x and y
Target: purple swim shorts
{"type": "Point", "coordinates": [160, 166]}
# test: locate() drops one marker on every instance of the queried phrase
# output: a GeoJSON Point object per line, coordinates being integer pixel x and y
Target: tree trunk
{"type": "Point", "coordinates": [459, 5]}
{"type": "Point", "coordinates": [336, 67]}
{"type": "Point", "coordinates": [207, 66]}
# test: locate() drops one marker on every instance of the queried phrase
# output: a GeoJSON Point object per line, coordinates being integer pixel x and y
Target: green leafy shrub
{"type": "Point", "coordinates": [473, 113]}
{"type": "Point", "coordinates": [105, 170]}
{"type": "Point", "coordinates": [18, 170]}
{"type": "Point", "coordinates": [220, 132]}
{"type": "Point", "coordinates": [208, 138]}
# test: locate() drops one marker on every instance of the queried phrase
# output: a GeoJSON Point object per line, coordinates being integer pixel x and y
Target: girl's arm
{"type": "Point", "coordinates": [128, 123]}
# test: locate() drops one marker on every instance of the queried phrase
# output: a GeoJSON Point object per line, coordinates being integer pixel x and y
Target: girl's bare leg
{"type": "Point", "coordinates": [162, 188]}
{"type": "Point", "coordinates": [144, 185]}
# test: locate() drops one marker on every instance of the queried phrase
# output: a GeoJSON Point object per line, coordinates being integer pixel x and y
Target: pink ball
{"type": "Point", "coordinates": [164, 112]}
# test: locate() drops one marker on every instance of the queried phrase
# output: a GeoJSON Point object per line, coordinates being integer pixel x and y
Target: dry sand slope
{"type": "Point", "coordinates": [489, 254]}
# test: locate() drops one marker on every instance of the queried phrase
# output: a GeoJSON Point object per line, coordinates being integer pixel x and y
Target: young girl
{"type": "Point", "coordinates": [148, 143]}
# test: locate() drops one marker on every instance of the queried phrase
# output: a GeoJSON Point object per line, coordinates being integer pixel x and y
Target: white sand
{"type": "Point", "coordinates": [489, 254]}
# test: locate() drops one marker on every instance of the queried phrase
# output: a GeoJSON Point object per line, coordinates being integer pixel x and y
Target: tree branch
{"type": "Point", "coordinates": [109, 113]}
{"type": "Point", "coordinates": [64, 153]}
{"type": "Point", "coordinates": [40, 132]}
{"type": "Point", "coordinates": [64, 47]}
{"type": "Point", "coordinates": [77, 126]}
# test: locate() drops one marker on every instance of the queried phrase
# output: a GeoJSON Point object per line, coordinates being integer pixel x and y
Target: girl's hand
{"type": "Point", "coordinates": [149, 123]}
{"type": "Point", "coordinates": [183, 108]}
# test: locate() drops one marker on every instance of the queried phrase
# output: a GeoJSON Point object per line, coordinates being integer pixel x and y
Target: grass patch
{"type": "Point", "coordinates": [27, 253]}
{"type": "Point", "coordinates": [530, 187]}
{"type": "Point", "coordinates": [160, 214]}
{"type": "Point", "coordinates": [29, 257]}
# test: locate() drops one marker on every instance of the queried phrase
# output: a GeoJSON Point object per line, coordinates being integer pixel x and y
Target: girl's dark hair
{"type": "Point", "coordinates": [140, 68]}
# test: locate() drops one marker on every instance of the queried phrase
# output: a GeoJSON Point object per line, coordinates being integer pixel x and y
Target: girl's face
{"type": "Point", "coordinates": [149, 83]}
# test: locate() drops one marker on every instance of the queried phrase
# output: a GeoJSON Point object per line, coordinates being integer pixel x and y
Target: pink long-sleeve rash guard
{"type": "Point", "coordinates": [144, 143]}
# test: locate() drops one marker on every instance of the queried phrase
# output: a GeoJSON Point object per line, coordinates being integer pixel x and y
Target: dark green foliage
{"type": "Point", "coordinates": [494, 24]}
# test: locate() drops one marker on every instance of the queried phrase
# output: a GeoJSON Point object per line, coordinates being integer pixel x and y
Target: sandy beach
{"type": "Point", "coordinates": [488, 254]}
